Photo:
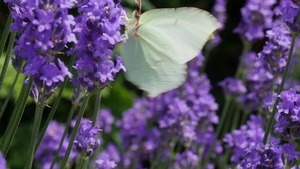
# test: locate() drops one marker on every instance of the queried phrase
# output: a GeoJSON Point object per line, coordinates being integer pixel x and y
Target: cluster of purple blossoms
{"type": "Point", "coordinates": [265, 69]}
{"type": "Point", "coordinates": [44, 28]}
{"type": "Point", "coordinates": [219, 11]}
{"type": "Point", "coordinates": [138, 141]}
{"type": "Point", "coordinates": [288, 115]}
{"type": "Point", "coordinates": [2, 161]}
{"type": "Point", "coordinates": [249, 134]}
{"type": "Point", "coordinates": [187, 159]}
{"type": "Point", "coordinates": [45, 154]}
{"type": "Point", "coordinates": [269, 156]}
{"type": "Point", "coordinates": [98, 28]}
{"type": "Point", "coordinates": [108, 158]}
{"type": "Point", "coordinates": [258, 83]}
{"type": "Point", "coordinates": [233, 87]}
{"type": "Point", "coordinates": [87, 139]}
{"type": "Point", "coordinates": [187, 113]}
{"type": "Point", "coordinates": [105, 120]}
{"type": "Point", "coordinates": [289, 15]}
{"type": "Point", "coordinates": [275, 52]}
{"type": "Point", "coordinates": [256, 17]}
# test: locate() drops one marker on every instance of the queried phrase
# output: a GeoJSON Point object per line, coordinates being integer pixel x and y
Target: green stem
{"type": "Point", "coordinates": [206, 55]}
{"type": "Point", "coordinates": [9, 95]}
{"type": "Point", "coordinates": [50, 116]}
{"type": "Point", "coordinates": [237, 116]}
{"type": "Point", "coordinates": [97, 106]}
{"type": "Point", "coordinates": [5, 34]}
{"type": "Point", "coordinates": [218, 130]}
{"type": "Point", "coordinates": [16, 118]}
{"type": "Point", "coordinates": [244, 117]}
{"type": "Point", "coordinates": [286, 70]}
{"type": "Point", "coordinates": [247, 48]}
{"type": "Point", "coordinates": [82, 163]}
{"type": "Point", "coordinates": [55, 105]}
{"type": "Point", "coordinates": [74, 133]}
{"type": "Point", "coordinates": [230, 114]}
{"type": "Point", "coordinates": [7, 58]}
{"type": "Point", "coordinates": [225, 160]}
{"type": "Point", "coordinates": [70, 116]}
{"type": "Point", "coordinates": [35, 128]}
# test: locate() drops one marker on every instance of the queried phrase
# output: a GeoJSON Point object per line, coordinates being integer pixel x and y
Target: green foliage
{"type": "Point", "coordinates": [10, 76]}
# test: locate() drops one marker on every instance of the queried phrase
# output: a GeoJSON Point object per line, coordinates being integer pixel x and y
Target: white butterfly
{"type": "Point", "coordinates": [159, 44]}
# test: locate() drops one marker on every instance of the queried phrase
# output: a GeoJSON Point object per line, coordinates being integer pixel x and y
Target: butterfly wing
{"type": "Point", "coordinates": [167, 39]}
{"type": "Point", "coordinates": [149, 68]}
{"type": "Point", "coordinates": [185, 29]}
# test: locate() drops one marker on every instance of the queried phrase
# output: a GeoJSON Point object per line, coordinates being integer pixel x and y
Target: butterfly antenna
{"type": "Point", "coordinates": [139, 3]}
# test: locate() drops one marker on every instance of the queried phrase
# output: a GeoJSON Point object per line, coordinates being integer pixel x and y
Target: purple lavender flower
{"type": "Point", "coordinates": [98, 28]}
{"type": "Point", "coordinates": [186, 159]}
{"type": "Point", "coordinates": [269, 156]}
{"type": "Point", "coordinates": [87, 139]}
{"type": "Point", "coordinates": [46, 152]}
{"type": "Point", "coordinates": [239, 140]}
{"type": "Point", "coordinates": [104, 162]}
{"type": "Point", "coordinates": [289, 12]}
{"type": "Point", "coordinates": [275, 52]}
{"type": "Point", "coordinates": [262, 156]}
{"type": "Point", "coordinates": [232, 87]}
{"type": "Point", "coordinates": [109, 158]}
{"type": "Point", "coordinates": [256, 16]}
{"type": "Point", "coordinates": [288, 115]}
{"type": "Point", "coordinates": [47, 73]}
{"type": "Point", "coordinates": [290, 153]}
{"type": "Point", "coordinates": [258, 83]}
{"type": "Point", "coordinates": [44, 29]}
{"type": "Point", "coordinates": [105, 120]}
{"type": "Point", "coordinates": [219, 11]}
{"type": "Point", "coordinates": [149, 128]}
{"type": "Point", "coordinates": [2, 161]}
{"type": "Point", "coordinates": [140, 142]}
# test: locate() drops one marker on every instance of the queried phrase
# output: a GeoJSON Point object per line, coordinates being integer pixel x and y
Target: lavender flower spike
{"type": "Point", "coordinates": [87, 140]}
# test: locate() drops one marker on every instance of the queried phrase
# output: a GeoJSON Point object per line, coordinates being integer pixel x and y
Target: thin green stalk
{"type": "Point", "coordinates": [206, 55]}
{"type": "Point", "coordinates": [230, 114]}
{"type": "Point", "coordinates": [83, 163]}
{"type": "Point", "coordinates": [286, 70]}
{"type": "Point", "coordinates": [16, 118]}
{"type": "Point", "coordinates": [9, 95]}
{"type": "Point", "coordinates": [13, 116]}
{"type": "Point", "coordinates": [225, 160]}
{"type": "Point", "coordinates": [70, 116]}
{"type": "Point", "coordinates": [74, 133]}
{"type": "Point", "coordinates": [218, 130]}
{"type": "Point", "coordinates": [7, 58]}
{"type": "Point", "coordinates": [244, 117]}
{"type": "Point", "coordinates": [237, 116]}
{"type": "Point", "coordinates": [51, 114]}
{"type": "Point", "coordinates": [35, 128]}
{"type": "Point", "coordinates": [247, 48]}
{"type": "Point", "coordinates": [97, 106]}
{"type": "Point", "coordinates": [55, 105]}
{"type": "Point", "coordinates": [5, 34]}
